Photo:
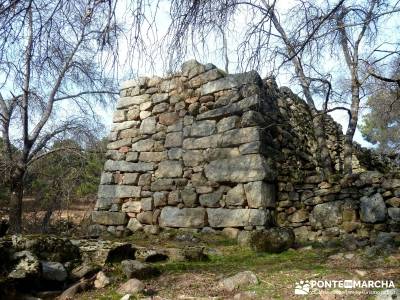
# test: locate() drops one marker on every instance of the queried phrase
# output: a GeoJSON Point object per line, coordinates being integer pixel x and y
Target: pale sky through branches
{"type": "Point", "coordinates": [154, 61]}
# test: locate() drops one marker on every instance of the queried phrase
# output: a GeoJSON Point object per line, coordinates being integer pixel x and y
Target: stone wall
{"type": "Point", "coordinates": [205, 150]}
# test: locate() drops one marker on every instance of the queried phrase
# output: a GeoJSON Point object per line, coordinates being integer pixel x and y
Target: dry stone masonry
{"type": "Point", "coordinates": [209, 151]}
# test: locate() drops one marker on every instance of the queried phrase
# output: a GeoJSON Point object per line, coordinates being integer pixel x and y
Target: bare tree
{"type": "Point", "coordinates": [301, 41]}
{"type": "Point", "coordinates": [54, 62]}
{"type": "Point", "coordinates": [265, 40]}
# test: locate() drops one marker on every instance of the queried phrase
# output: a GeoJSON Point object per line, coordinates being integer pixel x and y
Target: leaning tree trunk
{"type": "Point", "coordinates": [16, 196]}
{"type": "Point", "coordinates": [351, 129]}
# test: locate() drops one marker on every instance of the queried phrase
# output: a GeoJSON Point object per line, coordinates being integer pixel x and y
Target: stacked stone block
{"type": "Point", "coordinates": [189, 151]}
{"type": "Point", "coordinates": [202, 149]}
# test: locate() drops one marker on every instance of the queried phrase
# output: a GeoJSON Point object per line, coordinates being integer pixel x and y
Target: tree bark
{"type": "Point", "coordinates": [348, 141]}
{"type": "Point", "coordinates": [16, 196]}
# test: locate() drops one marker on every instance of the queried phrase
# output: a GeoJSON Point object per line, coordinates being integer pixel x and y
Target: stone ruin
{"type": "Point", "coordinates": [208, 151]}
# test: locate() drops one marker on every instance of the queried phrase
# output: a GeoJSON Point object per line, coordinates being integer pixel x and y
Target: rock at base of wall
{"type": "Point", "coordinates": [273, 240]}
{"type": "Point", "coordinates": [185, 217]}
{"type": "Point", "coordinates": [109, 218]}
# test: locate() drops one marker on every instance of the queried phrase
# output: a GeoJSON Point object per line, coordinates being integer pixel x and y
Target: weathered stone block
{"type": "Point", "coordinates": [143, 145]}
{"type": "Point", "coordinates": [168, 118]}
{"type": "Point", "coordinates": [119, 116]}
{"type": "Point", "coordinates": [236, 196]}
{"type": "Point", "coordinates": [157, 98]}
{"type": "Point", "coordinates": [119, 143]}
{"type": "Point", "coordinates": [124, 166]}
{"type": "Point", "coordinates": [189, 197]}
{"type": "Point", "coordinates": [203, 128]}
{"type": "Point", "coordinates": [193, 158]}
{"type": "Point", "coordinates": [159, 108]}
{"type": "Point", "coordinates": [131, 156]}
{"type": "Point", "coordinates": [240, 169]}
{"type": "Point", "coordinates": [148, 125]}
{"type": "Point", "coordinates": [222, 217]}
{"type": "Point", "coordinates": [211, 199]}
{"type": "Point", "coordinates": [169, 168]}
{"type": "Point", "coordinates": [125, 102]}
{"type": "Point", "coordinates": [202, 143]}
{"type": "Point", "coordinates": [239, 136]}
{"type": "Point", "coordinates": [131, 207]}
{"type": "Point", "coordinates": [153, 156]}
{"type": "Point", "coordinates": [134, 225]}
{"type": "Point", "coordinates": [146, 203]}
{"type": "Point", "coordinates": [106, 178]}
{"type": "Point", "coordinates": [118, 191]}
{"type": "Point", "coordinates": [162, 185]}
{"type": "Point", "coordinates": [185, 217]}
{"type": "Point", "coordinates": [260, 194]}
{"type": "Point", "coordinates": [227, 123]}
{"type": "Point", "coordinates": [124, 125]}
{"type": "Point", "coordinates": [175, 153]}
{"type": "Point", "coordinates": [160, 199]}
{"type": "Point", "coordinates": [326, 215]}
{"type": "Point", "coordinates": [221, 153]}
{"type": "Point", "coordinates": [130, 178]}
{"type": "Point", "coordinates": [233, 108]}
{"type": "Point", "coordinates": [394, 213]}
{"type": "Point", "coordinates": [173, 139]}
{"type": "Point", "coordinates": [109, 218]}
{"type": "Point", "coordinates": [372, 209]}
{"type": "Point", "coordinates": [229, 82]}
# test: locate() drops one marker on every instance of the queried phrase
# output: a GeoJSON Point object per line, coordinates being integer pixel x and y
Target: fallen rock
{"type": "Point", "coordinates": [102, 280]}
{"type": "Point", "coordinates": [132, 286]}
{"type": "Point", "coordinates": [53, 271]}
{"type": "Point", "coordinates": [242, 279]}
{"type": "Point", "coordinates": [84, 270]}
{"type": "Point", "coordinates": [26, 266]}
{"type": "Point", "coordinates": [273, 240]}
{"type": "Point", "coordinates": [137, 269]}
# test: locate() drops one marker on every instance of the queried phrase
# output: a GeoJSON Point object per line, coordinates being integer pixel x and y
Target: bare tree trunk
{"type": "Point", "coordinates": [348, 142]}
{"type": "Point", "coordinates": [16, 196]}
{"type": "Point", "coordinates": [322, 155]}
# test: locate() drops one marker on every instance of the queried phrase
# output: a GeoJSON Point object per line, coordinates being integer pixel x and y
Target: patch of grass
{"type": "Point", "coordinates": [235, 259]}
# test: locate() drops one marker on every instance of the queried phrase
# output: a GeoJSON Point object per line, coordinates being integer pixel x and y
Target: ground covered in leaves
{"type": "Point", "coordinates": [277, 273]}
